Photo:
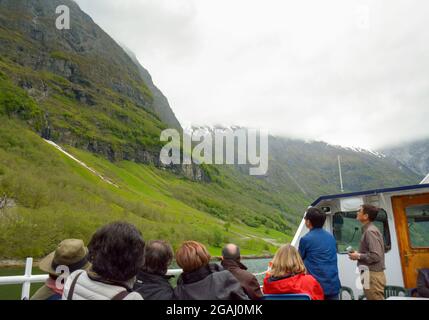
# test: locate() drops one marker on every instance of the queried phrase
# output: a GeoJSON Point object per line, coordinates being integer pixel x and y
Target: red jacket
{"type": "Point", "coordinates": [301, 283]}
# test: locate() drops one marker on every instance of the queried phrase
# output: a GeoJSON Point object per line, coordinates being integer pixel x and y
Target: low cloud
{"type": "Point", "coordinates": [347, 72]}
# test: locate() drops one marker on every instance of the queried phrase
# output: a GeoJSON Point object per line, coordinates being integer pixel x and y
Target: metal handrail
{"type": "Point", "coordinates": [27, 279]}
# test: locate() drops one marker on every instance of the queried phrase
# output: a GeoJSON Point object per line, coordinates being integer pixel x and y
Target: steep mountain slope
{"type": "Point", "coordinates": [313, 168]}
{"type": "Point", "coordinates": [89, 92]}
{"type": "Point", "coordinates": [53, 197]}
{"type": "Point", "coordinates": [160, 103]}
{"type": "Point", "coordinates": [80, 89]}
{"type": "Point", "coordinates": [414, 155]}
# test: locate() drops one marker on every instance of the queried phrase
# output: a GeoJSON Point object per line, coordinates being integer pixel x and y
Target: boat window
{"type": "Point", "coordinates": [347, 230]}
{"type": "Point", "coordinates": [418, 225]}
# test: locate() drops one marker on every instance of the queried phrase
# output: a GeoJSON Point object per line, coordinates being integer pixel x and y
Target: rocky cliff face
{"type": "Point", "coordinates": [84, 88]}
{"type": "Point", "coordinates": [84, 55]}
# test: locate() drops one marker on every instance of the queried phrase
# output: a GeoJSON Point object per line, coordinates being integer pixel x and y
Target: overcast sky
{"type": "Point", "coordinates": [354, 73]}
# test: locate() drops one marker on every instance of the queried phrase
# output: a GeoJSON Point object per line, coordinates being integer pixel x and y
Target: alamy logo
{"type": "Point", "coordinates": [363, 280]}
{"type": "Point", "coordinates": [64, 273]}
{"type": "Point", "coordinates": [220, 146]}
{"type": "Point", "coordinates": [63, 20]}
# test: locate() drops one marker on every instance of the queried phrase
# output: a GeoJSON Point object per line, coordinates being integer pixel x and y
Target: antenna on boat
{"type": "Point", "coordinates": [425, 180]}
{"type": "Point", "coordinates": [341, 175]}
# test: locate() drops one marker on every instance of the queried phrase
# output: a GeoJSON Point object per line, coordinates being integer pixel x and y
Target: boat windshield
{"type": "Point", "coordinates": [347, 230]}
{"type": "Point", "coordinates": [418, 225]}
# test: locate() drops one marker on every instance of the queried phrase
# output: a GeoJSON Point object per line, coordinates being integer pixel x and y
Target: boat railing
{"type": "Point", "coordinates": [28, 278]}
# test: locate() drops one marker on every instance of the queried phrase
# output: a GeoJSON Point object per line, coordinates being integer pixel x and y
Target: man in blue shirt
{"type": "Point", "coordinates": [318, 249]}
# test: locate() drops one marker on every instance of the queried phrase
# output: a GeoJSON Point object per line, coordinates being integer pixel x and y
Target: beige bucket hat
{"type": "Point", "coordinates": [71, 253]}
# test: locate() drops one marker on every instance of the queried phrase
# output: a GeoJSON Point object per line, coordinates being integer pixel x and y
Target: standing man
{"type": "Point", "coordinates": [231, 262]}
{"type": "Point", "coordinates": [318, 249]}
{"type": "Point", "coordinates": [371, 253]}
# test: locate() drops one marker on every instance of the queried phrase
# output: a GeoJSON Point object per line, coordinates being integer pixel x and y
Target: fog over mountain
{"type": "Point", "coordinates": [414, 155]}
{"type": "Point", "coordinates": [352, 73]}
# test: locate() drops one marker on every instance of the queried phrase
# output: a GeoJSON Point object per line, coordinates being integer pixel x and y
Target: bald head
{"type": "Point", "coordinates": [231, 251]}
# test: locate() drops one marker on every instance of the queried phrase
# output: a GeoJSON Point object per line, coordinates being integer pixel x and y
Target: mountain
{"type": "Point", "coordinates": [79, 147]}
{"type": "Point", "coordinates": [301, 171]}
{"type": "Point", "coordinates": [313, 167]}
{"type": "Point", "coordinates": [414, 155]}
{"type": "Point", "coordinates": [89, 93]}
{"type": "Point", "coordinates": [81, 90]}
{"type": "Point", "coordinates": [310, 168]}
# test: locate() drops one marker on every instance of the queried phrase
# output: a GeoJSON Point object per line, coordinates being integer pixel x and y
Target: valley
{"type": "Point", "coordinates": [104, 115]}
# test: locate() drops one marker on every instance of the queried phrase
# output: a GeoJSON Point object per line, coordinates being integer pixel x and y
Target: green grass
{"type": "Point", "coordinates": [57, 198]}
{"type": "Point", "coordinates": [112, 120]}
{"type": "Point", "coordinates": [16, 102]}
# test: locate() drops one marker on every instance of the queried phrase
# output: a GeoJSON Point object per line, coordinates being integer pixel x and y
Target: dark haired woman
{"type": "Point", "coordinates": [202, 280]}
{"type": "Point", "coordinates": [116, 253]}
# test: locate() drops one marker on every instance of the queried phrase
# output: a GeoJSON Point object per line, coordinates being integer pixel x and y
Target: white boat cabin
{"type": "Point", "coordinates": [403, 220]}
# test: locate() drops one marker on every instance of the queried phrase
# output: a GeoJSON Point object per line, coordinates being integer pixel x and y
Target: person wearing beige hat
{"type": "Point", "coordinates": [69, 256]}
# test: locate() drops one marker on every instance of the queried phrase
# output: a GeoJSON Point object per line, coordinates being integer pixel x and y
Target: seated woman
{"type": "Point", "coordinates": [423, 283]}
{"type": "Point", "coordinates": [288, 275]}
{"type": "Point", "coordinates": [116, 254]}
{"type": "Point", "coordinates": [202, 280]}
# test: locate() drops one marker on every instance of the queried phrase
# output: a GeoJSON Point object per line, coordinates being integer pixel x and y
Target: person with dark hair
{"type": "Point", "coordinates": [70, 255]}
{"type": "Point", "coordinates": [371, 253]}
{"type": "Point", "coordinates": [202, 280]}
{"type": "Point", "coordinates": [231, 262]}
{"type": "Point", "coordinates": [318, 249]}
{"type": "Point", "coordinates": [116, 254]}
{"type": "Point", "coordinates": [152, 281]}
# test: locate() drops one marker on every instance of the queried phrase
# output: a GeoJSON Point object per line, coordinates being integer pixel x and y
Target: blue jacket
{"type": "Point", "coordinates": [318, 249]}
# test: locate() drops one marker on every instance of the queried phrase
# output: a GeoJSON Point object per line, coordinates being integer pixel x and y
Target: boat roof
{"type": "Point", "coordinates": [369, 192]}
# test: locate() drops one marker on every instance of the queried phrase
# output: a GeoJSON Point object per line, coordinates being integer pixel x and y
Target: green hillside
{"type": "Point", "coordinates": [80, 89]}
{"type": "Point", "coordinates": [58, 198]}
{"type": "Point", "coordinates": [89, 92]}
{"type": "Point", "coordinates": [312, 167]}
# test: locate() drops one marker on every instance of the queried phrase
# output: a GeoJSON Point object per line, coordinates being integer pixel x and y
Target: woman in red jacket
{"type": "Point", "coordinates": [288, 275]}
